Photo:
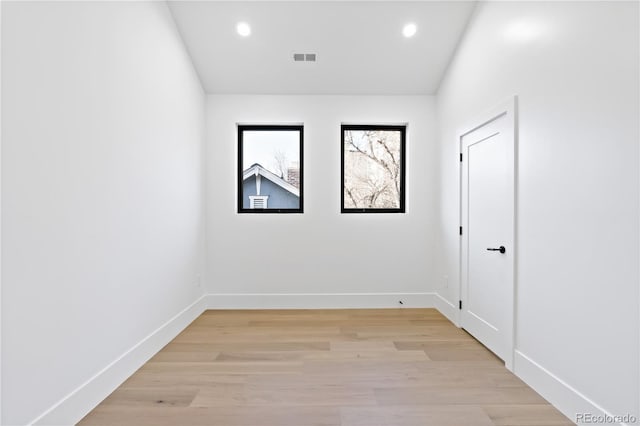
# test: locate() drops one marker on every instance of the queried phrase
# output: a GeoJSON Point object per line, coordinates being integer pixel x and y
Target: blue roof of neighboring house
{"type": "Point", "coordinates": [257, 169]}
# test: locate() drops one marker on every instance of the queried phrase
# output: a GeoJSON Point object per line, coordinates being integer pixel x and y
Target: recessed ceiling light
{"type": "Point", "coordinates": [243, 29]}
{"type": "Point", "coordinates": [409, 30]}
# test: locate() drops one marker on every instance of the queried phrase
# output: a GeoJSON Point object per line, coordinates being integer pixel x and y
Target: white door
{"type": "Point", "coordinates": [488, 219]}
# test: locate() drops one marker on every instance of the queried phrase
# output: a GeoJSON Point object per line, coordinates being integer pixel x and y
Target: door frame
{"type": "Point", "coordinates": [507, 108]}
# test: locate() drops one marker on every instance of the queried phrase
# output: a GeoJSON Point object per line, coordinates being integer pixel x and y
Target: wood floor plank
{"type": "Point", "coordinates": [414, 416]}
{"type": "Point", "coordinates": [213, 416]}
{"type": "Point", "coordinates": [526, 415]}
{"type": "Point", "coordinates": [217, 368]}
{"type": "Point", "coordinates": [430, 395]}
{"type": "Point", "coordinates": [282, 393]}
{"type": "Point", "coordinates": [247, 345]}
{"type": "Point", "coordinates": [309, 356]}
{"type": "Point", "coordinates": [362, 346]}
{"type": "Point", "coordinates": [467, 350]}
{"type": "Point", "coordinates": [170, 396]}
{"type": "Point", "coordinates": [368, 367]}
{"type": "Point", "coordinates": [180, 379]}
{"type": "Point", "coordinates": [187, 356]}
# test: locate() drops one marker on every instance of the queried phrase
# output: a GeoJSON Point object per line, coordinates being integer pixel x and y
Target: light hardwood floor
{"type": "Point", "coordinates": [382, 367]}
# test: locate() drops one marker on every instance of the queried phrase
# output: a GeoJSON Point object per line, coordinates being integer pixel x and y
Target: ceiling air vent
{"type": "Point", "coordinates": [304, 57]}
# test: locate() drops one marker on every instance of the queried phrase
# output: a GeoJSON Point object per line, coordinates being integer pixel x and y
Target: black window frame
{"type": "Point", "coordinates": [402, 128]}
{"type": "Point", "coordinates": [241, 128]}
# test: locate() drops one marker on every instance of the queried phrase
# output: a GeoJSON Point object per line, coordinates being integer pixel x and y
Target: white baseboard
{"type": "Point", "coordinates": [320, 300]}
{"type": "Point", "coordinates": [447, 309]}
{"type": "Point", "coordinates": [564, 397]}
{"type": "Point", "coordinates": [72, 408]}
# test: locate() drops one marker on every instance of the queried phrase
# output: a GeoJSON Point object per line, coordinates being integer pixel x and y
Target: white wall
{"type": "Point", "coordinates": [103, 122]}
{"type": "Point", "coordinates": [574, 67]}
{"type": "Point", "coordinates": [320, 252]}
{"type": "Point", "coordinates": [0, 219]}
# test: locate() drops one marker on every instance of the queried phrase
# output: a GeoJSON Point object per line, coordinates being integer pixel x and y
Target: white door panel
{"type": "Point", "coordinates": [487, 212]}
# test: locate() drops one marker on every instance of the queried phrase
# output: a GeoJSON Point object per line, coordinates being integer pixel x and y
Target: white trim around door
{"type": "Point", "coordinates": [500, 121]}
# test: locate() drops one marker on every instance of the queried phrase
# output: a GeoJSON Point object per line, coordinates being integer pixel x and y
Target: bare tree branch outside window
{"type": "Point", "coordinates": [280, 162]}
{"type": "Point", "coordinates": [373, 168]}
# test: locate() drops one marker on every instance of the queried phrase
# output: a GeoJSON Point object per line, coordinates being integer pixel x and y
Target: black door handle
{"type": "Point", "coordinates": [501, 249]}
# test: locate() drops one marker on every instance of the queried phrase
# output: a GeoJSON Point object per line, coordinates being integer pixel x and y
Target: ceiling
{"type": "Point", "coordinates": [359, 45]}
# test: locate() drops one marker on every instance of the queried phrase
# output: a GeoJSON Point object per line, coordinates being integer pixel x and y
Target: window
{"type": "Point", "coordinates": [270, 169]}
{"type": "Point", "coordinates": [373, 169]}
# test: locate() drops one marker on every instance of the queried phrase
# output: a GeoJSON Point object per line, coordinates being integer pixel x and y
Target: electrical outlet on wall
{"type": "Point", "coordinates": [198, 281]}
{"type": "Point", "coordinates": [445, 281]}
